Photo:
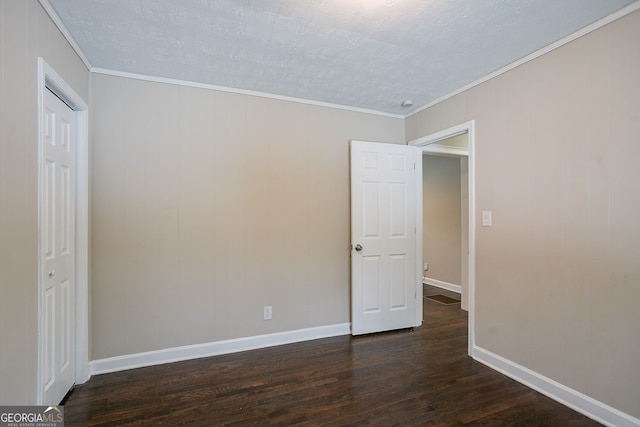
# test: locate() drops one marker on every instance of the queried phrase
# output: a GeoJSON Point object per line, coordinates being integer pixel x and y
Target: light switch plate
{"type": "Point", "coordinates": [486, 218]}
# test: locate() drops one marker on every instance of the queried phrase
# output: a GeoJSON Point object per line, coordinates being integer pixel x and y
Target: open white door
{"type": "Point", "coordinates": [384, 274]}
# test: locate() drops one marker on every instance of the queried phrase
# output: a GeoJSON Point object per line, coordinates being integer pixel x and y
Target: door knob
{"type": "Point", "coordinates": [52, 273]}
{"type": "Point", "coordinates": [358, 247]}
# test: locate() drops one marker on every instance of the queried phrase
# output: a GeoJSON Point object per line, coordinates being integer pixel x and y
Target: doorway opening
{"type": "Point", "coordinates": [451, 142]}
{"type": "Point", "coordinates": [446, 218]}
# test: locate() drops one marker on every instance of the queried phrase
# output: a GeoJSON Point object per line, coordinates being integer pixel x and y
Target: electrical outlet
{"type": "Point", "coordinates": [268, 312]}
{"type": "Point", "coordinates": [426, 266]}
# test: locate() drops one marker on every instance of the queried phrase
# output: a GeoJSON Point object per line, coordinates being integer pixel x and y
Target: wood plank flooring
{"type": "Point", "coordinates": [420, 377]}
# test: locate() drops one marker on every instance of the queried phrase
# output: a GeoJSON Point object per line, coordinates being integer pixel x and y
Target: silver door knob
{"type": "Point", "coordinates": [52, 273]}
{"type": "Point", "coordinates": [358, 247]}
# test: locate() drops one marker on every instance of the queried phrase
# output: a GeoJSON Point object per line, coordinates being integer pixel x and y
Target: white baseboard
{"type": "Point", "coordinates": [575, 400]}
{"type": "Point", "coordinates": [443, 285]}
{"type": "Point", "coordinates": [176, 354]}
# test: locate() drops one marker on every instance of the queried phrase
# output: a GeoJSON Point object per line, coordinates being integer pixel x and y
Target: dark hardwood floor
{"type": "Point", "coordinates": [419, 377]}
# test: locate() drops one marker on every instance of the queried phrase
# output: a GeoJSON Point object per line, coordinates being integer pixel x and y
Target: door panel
{"type": "Point", "coordinates": [383, 224]}
{"type": "Point", "coordinates": [58, 249]}
{"type": "Point", "coordinates": [370, 214]}
{"type": "Point", "coordinates": [65, 209]}
{"type": "Point", "coordinates": [371, 284]}
{"type": "Point", "coordinates": [48, 345]}
{"type": "Point", "coordinates": [398, 292]}
{"type": "Point", "coordinates": [398, 210]}
{"type": "Point", "coordinates": [48, 209]}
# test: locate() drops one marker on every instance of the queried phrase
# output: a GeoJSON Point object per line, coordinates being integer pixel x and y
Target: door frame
{"type": "Point", "coordinates": [428, 144]}
{"type": "Point", "coordinates": [48, 79]}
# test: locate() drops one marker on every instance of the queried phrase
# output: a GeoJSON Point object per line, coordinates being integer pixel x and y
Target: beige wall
{"type": "Point", "coordinates": [557, 147]}
{"type": "Point", "coordinates": [26, 33]}
{"type": "Point", "coordinates": [208, 206]}
{"type": "Point", "coordinates": [441, 207]}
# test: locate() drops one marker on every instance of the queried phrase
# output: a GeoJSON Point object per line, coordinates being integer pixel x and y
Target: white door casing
{"type": "Point", "coordinates": [58, 248]}
{"type": "Point", "coordinates": [426, 144]}
{"type": "Point", "coordinates": [384, 214]}
{"type": "Point", "coordinates": [49, 80]}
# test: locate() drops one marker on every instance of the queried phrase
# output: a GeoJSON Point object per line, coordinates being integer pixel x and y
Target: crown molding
{"type": "Point", "coordinates": [46, 5]}
{"type": "Point", "coordinates": [582, 32]}
{"type": "Point", "coordinates": [149, 78]}
{"type": "Point", "coordinates": [51, 11]}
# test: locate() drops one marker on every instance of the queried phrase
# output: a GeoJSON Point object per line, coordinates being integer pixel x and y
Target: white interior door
{"type": "Point", "coordinates": [58, 249]}
{"type": "Point", "coordinates": [384, 275]}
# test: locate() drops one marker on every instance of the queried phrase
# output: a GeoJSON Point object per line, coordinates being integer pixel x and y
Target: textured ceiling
{"type": "Point", "coordinates": [369, 54]}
